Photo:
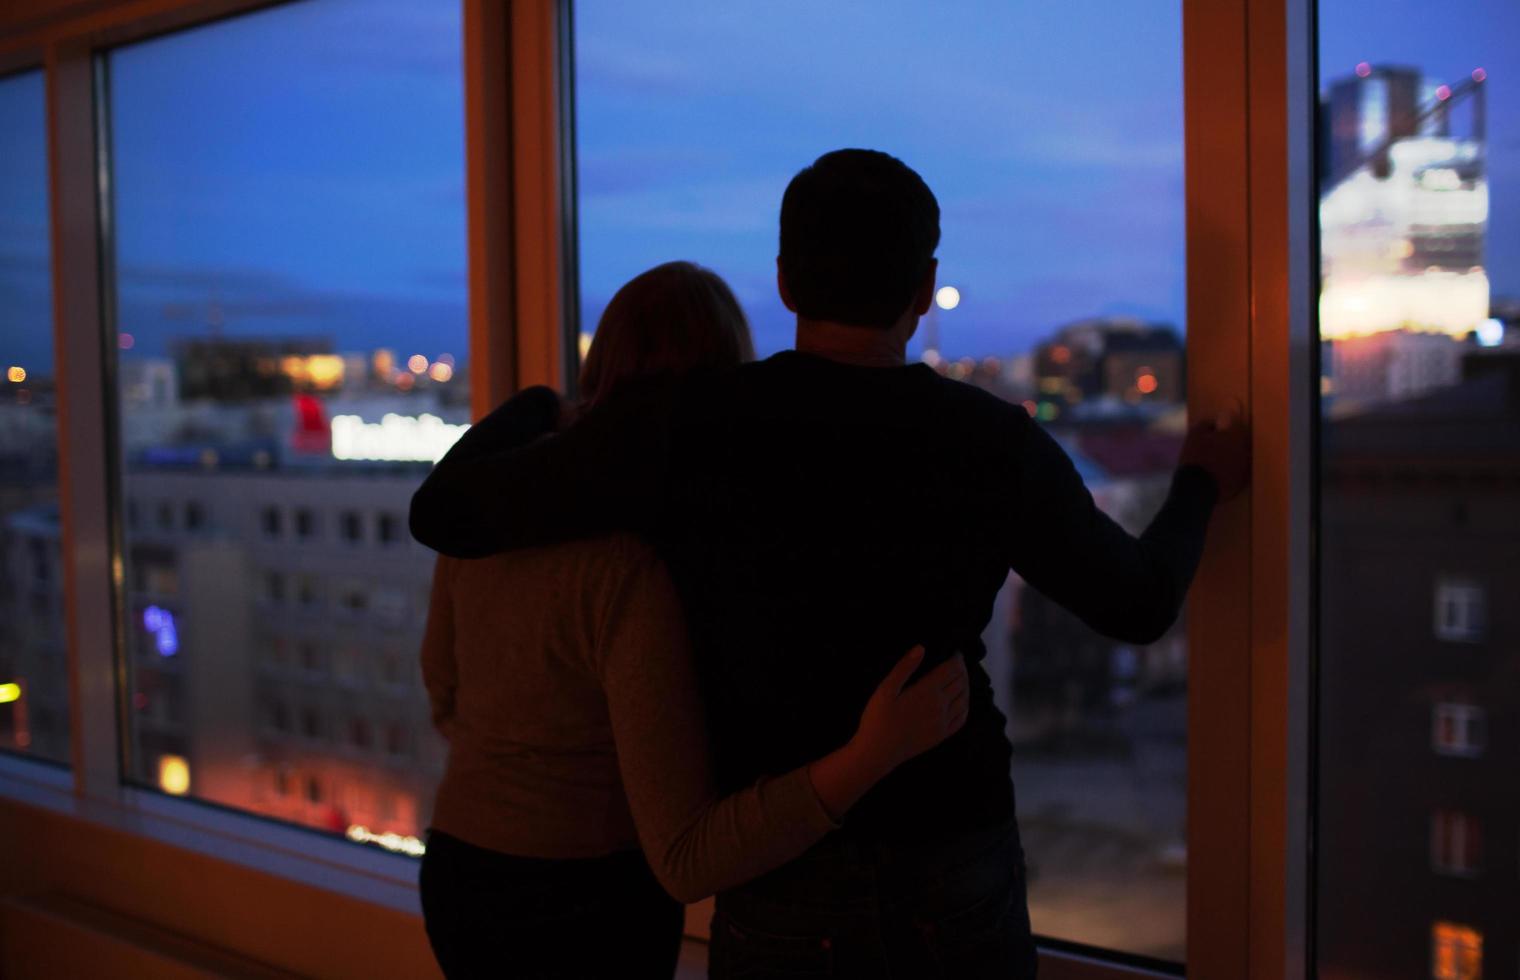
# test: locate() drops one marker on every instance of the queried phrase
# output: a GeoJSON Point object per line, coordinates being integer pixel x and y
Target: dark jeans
{"type": "Point", "coordinates": [490, 914]}
{"type": "Point", "coordinates": [852, 908]}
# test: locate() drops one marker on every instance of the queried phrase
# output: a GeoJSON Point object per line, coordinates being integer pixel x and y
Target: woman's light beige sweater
{"type": "Point", "coordinates": [563, 681]}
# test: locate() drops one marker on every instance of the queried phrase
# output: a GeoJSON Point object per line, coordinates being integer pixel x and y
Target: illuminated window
{"type": "Point", "coordinates": [1459, 610]}
{"type": "Point", "coordinates": [1456, 952]}
{"type": "Point", "coordinates": [1458, 729]}
{"type": "Point", "coordinates": [287, 205]}
{"type": "Point", "coordinates": [1456, 843]}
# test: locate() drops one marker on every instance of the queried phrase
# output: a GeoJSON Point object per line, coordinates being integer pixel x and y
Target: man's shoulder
{"type": "Point", "coordinates": [978, 410]}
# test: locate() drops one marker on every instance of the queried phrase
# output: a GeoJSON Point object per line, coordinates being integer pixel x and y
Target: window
{"type": "Point", "coordinates": [277, 651]}
{"type": "Point", "coordinates": [1459, 610]}
{"type": "Point", "coordinates": [389, 607]}
{"type": "Point", "coordinates": [308, 592]}
{"type": "Point", "coordinates": [1060, 183]}
{"type": "Point", "coordinates": [34, 710]}
{"type": "Point", "coordinates": [287, 204]}
{"type": "Point", "coordinates": [1419, 234]}
{"type": "Point", "coordinates": [388, 529]}
{"type": "Point", "coordinates": [353, 596]}
{"type": "Point", "coordinates": [359, 733]}
{"type": "Point", "coordinates": [1458, 729]}
{"type": "Point", "coordinates": [274, 586]}
{"type": "Point", "coordinates": [398, 741]}
{"type": "Point", "coordinates": [1456, 843]}
{"type": "Point", "coordinates": [348, 666]}
{"type": "Point", "coordinates": [392, 674]}
{"type": "Point", "coordinates": [1456, 952]}
{"type": "Point", "coordinates": [313, 659]}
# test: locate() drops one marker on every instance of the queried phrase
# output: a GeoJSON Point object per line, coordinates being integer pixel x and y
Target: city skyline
{"type": "Point", "coordinates": [1090, 224]}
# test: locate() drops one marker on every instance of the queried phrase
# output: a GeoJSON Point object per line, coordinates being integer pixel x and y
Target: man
{"type": "Point", "coordinates": [822, 511]}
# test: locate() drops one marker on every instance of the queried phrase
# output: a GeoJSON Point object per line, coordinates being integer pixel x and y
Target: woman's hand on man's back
{"type": "Point", "coordinates": [900, 721]}
{"type": "Point", "coordinates": [903, 720]}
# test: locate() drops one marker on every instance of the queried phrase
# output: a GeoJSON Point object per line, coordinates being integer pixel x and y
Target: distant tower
{"type": "Point", "coordinates": [1366, 109]}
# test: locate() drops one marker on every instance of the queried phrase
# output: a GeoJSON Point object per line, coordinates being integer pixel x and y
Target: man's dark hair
{"type": "Point", "coordinates": [858, 231]}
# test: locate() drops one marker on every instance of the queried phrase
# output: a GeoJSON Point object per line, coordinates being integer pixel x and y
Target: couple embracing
{"type": "Point", "coordinates": [718, 628]}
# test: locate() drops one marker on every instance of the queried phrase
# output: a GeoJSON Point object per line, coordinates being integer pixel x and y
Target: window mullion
{"type": "Point", "coordinates": [91, 558]}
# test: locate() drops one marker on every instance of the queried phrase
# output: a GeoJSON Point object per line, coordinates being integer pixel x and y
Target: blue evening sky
{"type": "Point", "coordinates": [1051, 134]}
{"type": "Point", "coordinates": [299, 171]}
{"type": "Point", "coordinates": [26, 289]}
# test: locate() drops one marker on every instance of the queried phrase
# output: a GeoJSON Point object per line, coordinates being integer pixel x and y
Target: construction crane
{"type": "Point", "coordinates": [1446, 97]}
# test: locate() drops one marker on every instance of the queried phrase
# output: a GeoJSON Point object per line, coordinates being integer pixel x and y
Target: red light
{"type": "Point", "coordinates": [1363, 70]}
{"type": "Point", "coordinates": [312, 433]}
{"type": "Point", "coordinates": [140, 701]}
{"type": "Point", "coordinates": [1443, 93]}
{"type": "Point", "coordinates": [1479, 74]}
{"type": "Point", "coordinates": [125, 341]}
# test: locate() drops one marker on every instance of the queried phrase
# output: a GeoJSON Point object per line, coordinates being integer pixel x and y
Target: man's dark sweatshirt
{"type": "Point", "coordinates": [819, 520]}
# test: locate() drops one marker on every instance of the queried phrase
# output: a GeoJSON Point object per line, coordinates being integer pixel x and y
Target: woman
{"type": "Point", "coordinates": [562, 679]}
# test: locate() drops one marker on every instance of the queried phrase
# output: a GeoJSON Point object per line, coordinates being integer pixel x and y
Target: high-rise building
{"type": "Point", "coordinates": [1420, 696]}
{"type": "Point", "coordinates": [1364, 110]}
{"type": "Point", "coordinates": [274, 618]}
{"type": "Point", "coordinates": [1403, 209]}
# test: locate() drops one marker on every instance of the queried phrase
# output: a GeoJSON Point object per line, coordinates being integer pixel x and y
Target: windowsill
{"type": "Point", "coordinates": [256, 843]}
{"type": "Point", "coordinates": [340, 867]}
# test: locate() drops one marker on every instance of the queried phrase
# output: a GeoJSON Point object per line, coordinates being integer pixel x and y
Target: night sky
{"type": "Point", "coordinates": [300, 171]}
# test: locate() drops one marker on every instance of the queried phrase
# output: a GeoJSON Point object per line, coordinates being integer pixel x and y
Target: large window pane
{"type": "Point", "coordinates": [291, 327]}
{"type": "Point", "coordinates": [1052, 135]}
{"type": "Point", "coordinates": [34, 688]}
{"type": "Point", "coordinates": [1419, 320]}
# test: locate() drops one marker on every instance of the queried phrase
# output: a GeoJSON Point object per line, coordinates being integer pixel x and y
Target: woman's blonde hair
{"type": "Point", "coordinates": [674, 319]}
